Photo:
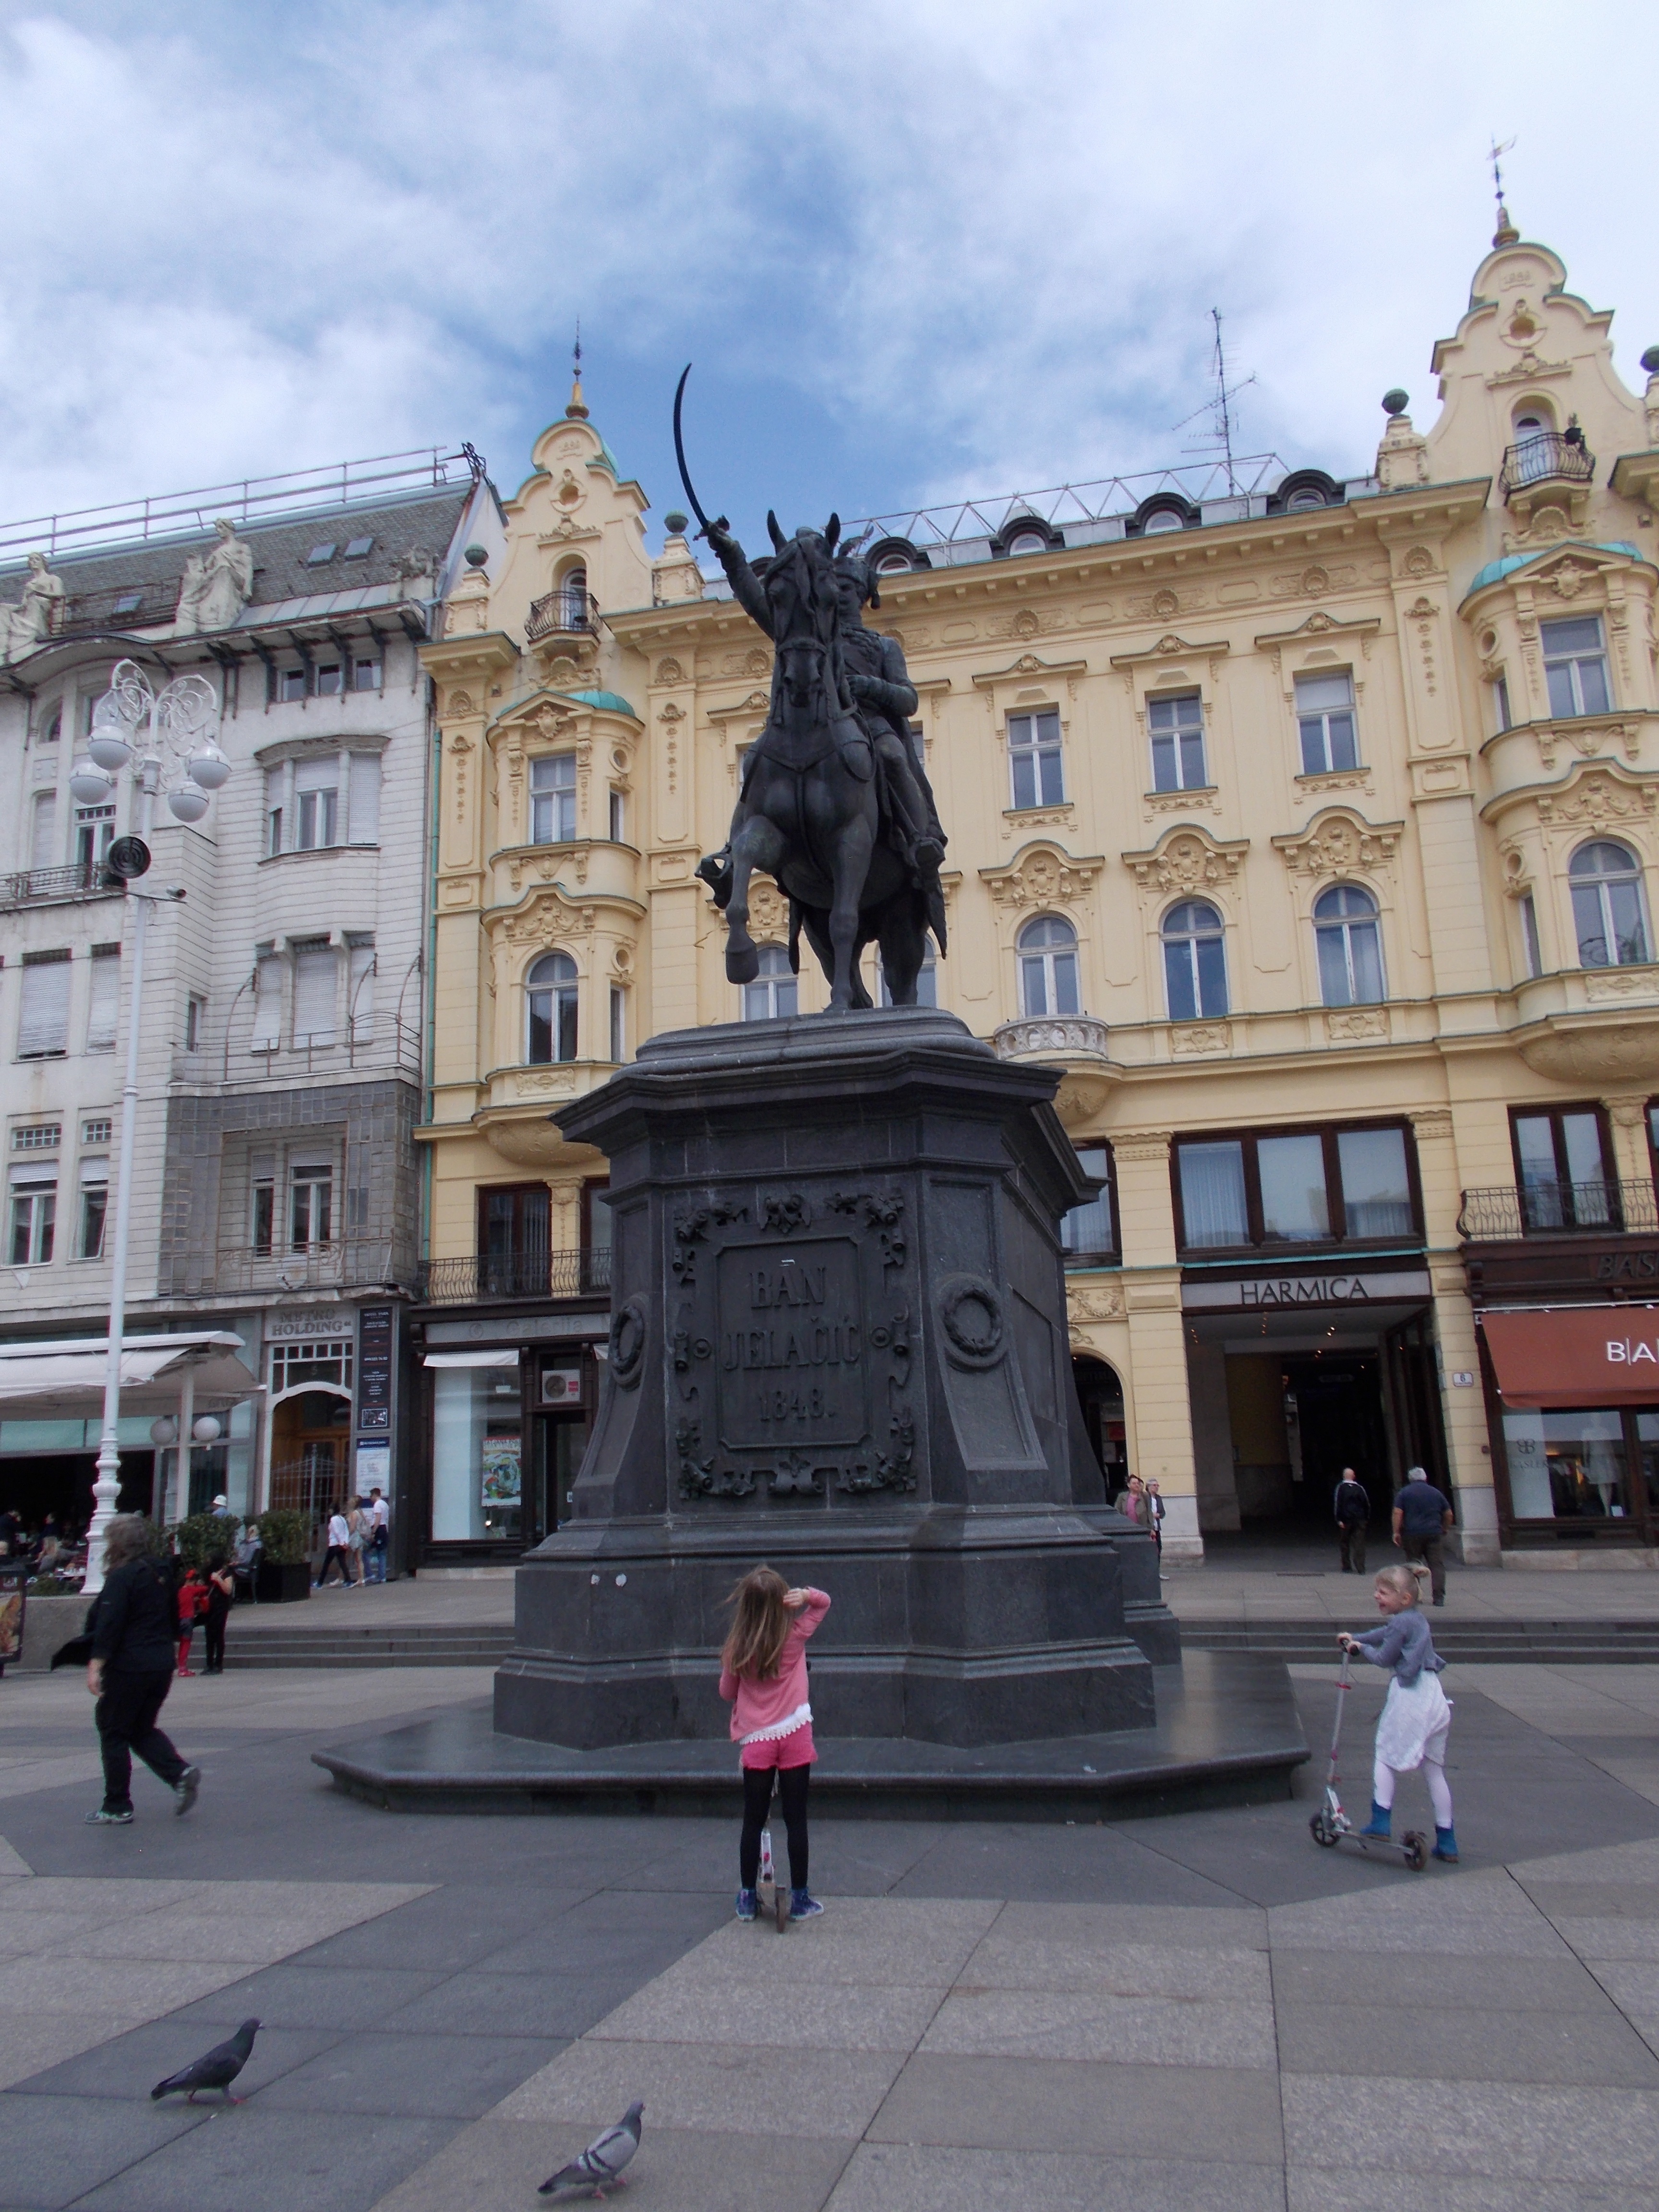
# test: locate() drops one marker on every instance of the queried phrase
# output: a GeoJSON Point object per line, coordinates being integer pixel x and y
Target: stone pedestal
{"type": "Point", "coordinates": [838, 1344]}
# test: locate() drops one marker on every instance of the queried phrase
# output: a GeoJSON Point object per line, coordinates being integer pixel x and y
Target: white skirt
{"type": "Point", "coordinates": [1412, 1720]}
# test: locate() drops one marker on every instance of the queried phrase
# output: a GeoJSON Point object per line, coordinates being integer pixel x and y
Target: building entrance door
{"type": "Point", "coordinates": [561, 1440]}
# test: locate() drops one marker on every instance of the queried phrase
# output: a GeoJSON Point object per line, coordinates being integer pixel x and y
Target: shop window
{"type": "Point", "coordinates": [550, 997]}
{"type": "Point", "coordinates": [1325, 716]}
{"type": "Point", "coordinates": [1576, 667]}
{"type": "Point", "coordinates": [1194, 961]}
{"type": "Point", "coordinates": [1035, 767]}
{"type": "Point", "coordinates": [1323, 1186]}
{"type": "Point", "coordinates": [34, 1215]}
{"type": "Point", "coordinates": [1350, 944]}
{"type": "Point", "coordinates": [1048, 967]}
{"type": "Point", "coordinates": [774, 994]}
{"type": "Point", "coordinates": [1570, 1466]}
{"type": "Point", "coordinates": [477, 1443]}
{"type": "Point", "coordinates": [1561, 1161]}
{"type": "Point", "coordinates": [553, 798]}
{"type": "Point", "coordinates": [1089, 1231]}
{"type": "Point", "coordinates": [1609, 912]}
{"type": "Point", "coordinates": [1177, 727]}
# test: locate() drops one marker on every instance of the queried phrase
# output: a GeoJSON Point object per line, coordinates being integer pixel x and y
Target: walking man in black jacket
{"type": "Point", "coordinates": [1353, 1509]}
{"type": "Point", "coordinates": [130, 1671]}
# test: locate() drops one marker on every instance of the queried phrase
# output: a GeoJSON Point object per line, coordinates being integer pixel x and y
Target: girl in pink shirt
{"type": "Point", "coordinates": [763, 1679]}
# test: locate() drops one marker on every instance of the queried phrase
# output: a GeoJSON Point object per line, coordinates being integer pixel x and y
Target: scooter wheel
{"type": "Point", "coordinates": [1416, 1849]}
{"type": "Point", "coordinates": [1320, 1830]}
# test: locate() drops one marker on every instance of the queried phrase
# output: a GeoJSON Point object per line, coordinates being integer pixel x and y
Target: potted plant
{"type": "Point", "coordinates": [284, 1564]}
{"type": "Point", "coordinates": [205, 1540]}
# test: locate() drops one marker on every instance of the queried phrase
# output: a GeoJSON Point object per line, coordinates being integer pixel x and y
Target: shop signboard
{"type": "Point", "coordinates": [374, 1370]}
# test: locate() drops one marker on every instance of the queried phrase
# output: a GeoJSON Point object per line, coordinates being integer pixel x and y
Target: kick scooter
{"type": "Point", "coordinates": [771, 1895]}
{"type": "Point", "coordinates": [1331, 1825]}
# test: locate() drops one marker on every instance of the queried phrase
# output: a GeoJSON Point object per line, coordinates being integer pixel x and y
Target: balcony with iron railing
{"type": "Point", "coordinates": [81, 879]}
{"type": "Point", "coordinates": [1506, 1214]}
{"type": "Point", "coordinates": [534, 1274]}
{"type": "Point", "coordinates": [1550, 458]}
{"type": "Point", "coordinates": [564, 613]}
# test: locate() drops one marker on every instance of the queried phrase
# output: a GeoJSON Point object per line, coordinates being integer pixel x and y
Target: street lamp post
{"type": "Point", "coordinates": [158, 733]}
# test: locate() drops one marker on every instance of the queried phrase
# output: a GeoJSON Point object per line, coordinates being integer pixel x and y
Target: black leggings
{"type": "Point", "coordinates": [757, 1796]}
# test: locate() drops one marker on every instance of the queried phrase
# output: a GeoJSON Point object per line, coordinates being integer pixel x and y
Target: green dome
{"type": "Point", "coordinates": [611, 703]}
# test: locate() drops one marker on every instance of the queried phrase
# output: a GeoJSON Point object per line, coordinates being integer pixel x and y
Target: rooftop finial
{"type": "Point", "coordinates": [578, 406]}
{"type": "Point", "coordinates": [1506, 233]}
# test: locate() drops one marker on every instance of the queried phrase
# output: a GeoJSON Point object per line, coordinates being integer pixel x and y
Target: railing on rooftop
{"type": "Point", "coordinates": [1552, 456]}
{"type": "Point", "coordinates": [251, 499]}
{"type": "Point", "coordinates": [563, 612]}
{"type": "Point", "coordinates": [39, 886]}
{"type": "Point", "coordinates": [515, 1275]}
{"type": "Point", "coordinates": [1504, 1215]}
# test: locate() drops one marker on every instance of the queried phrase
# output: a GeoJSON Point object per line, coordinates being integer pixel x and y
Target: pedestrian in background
{"type": "Point", "coordinates": [1130, 1502]}
{"type": "Point", "coordinates": [357, 1536]}
{"type": "Point", "coordinates": [379, 1537]}
{"type": "Point", "coordinates": [1352, 1503]}
{"type": "Point", "coordinates": [1154, 1505]}
{"type": "Point", "coordinates": [132, 1625]}
{"type": "Point", "coordinates": [1422, 1520]}
{"type": "Point", "coordinates": [221, 1589]}
{"type": "Point", "coordinates": [192, 1604]}
{"type": "Point", "coordinates": [338, 1551]}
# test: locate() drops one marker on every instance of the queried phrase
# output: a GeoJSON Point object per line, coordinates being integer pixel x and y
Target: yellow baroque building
{"type": "Point", "coordinates": [1304, 825]}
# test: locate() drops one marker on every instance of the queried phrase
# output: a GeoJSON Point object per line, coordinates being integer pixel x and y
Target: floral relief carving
{"type": "Point", "coordinates": [1047, 876]}
{"type": "Point", "coordinates": [1188, 860]}
{"type": "Point", "coordinates": [769, 909]}
{"type": "Point", "coordinates": [670, 672]}
{"type": "Point", "coordinates": [1192, 1040]}
{"type": "Point", "coordinates": [1597, 798]}
{"type": "Point", "coordinates": [1087, 1302]}
{"type": "Point", "coordinates": [460, 703]}
{"type": "Point", "coordinates": [1419, 561]}
{"type": "Point", "coordinates": [1336, 844]}
{"type": "Point", "coordinates": [1604, 983]}
{"type": "Point", "coordinates": [1353, 1024]}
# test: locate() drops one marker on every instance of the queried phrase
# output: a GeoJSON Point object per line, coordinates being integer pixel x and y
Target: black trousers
{"type": "Point", "coordinates": [343, 1553]}
{"type": "Point", "coordinates": [1351, 1536]}
{"type": "Point", "coordinates": [125, 1715]}
{"type": "Point", "coordinates": [217, 1614]}
{"type": "Point", "coordinates": [757, 1796]}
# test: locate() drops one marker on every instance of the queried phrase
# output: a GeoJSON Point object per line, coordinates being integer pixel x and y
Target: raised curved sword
{"type": "Point", "coordinates": [679, 455]}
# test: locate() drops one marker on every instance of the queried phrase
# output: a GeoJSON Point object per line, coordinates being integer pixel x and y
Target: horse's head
{"type": "Point", "coordinates": [800, 587]}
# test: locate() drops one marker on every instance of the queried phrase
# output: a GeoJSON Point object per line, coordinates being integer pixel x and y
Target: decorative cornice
{"type": "Point", "coordinates": [1027, 667]}
{"type": "Point", "coordinates": [1171, 647]}
{"type": "Point", "coordinates": [1601, 791]}
{"type": "Point", "coordinates": [1318, 625]}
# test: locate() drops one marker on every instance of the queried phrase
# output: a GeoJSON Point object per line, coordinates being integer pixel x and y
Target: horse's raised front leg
{"type": "Point", "coordinates": [758, 844]}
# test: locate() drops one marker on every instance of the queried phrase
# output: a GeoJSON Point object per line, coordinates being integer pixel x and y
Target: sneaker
{"type": "Point", "coordinates": [1445, 1846]}
{"type": "Point", "coordinates": [803, 1905]}
{"type": "Point", "coordinates": [747, 1906]}
{"type": "Point", "coordinates": [104, 1819]}
{"type": "Point", "coordinates": [184, 1788]}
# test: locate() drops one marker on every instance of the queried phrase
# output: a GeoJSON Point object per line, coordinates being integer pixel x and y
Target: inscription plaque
{"type": "Point", "coordinates": [790, 1347]}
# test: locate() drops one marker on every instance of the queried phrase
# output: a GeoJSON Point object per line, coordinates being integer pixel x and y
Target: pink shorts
{"type": "Point", "coordinates": [795, 1749]}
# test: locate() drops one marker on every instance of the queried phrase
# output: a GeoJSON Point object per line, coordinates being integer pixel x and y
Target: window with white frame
{"type": "Point", "coordinates": [1324, 713]}
{"type": "Point", "coordinates": [33, 1215]}
{"type": "Point", "coordinates": [1176, 724]}
{"type": "Point", "coordinates": [43, 1022]}
{"type": "Point", "coordinates": [310, 1204]}
{"type": "Point", "coordinates": [267, 999]}
{"type": "Point", "coordinates": [1502, 718]}
{"type": "Point", "coordinates": [1530, 945]}
{"type": "Point", "coordinates": [37, 1137]}
{"type": "Point", "coordinates": [303, 1360]}
{"type": "Point", "coordinates": [1350, 944]}
{"type": "Point", "coordinates": [328, 679]}
{"type": "Point", "coordinates": [1035, 766]}
{"type": "Point", "coordinates": [316, 974]}
{"type": "Point", "coordinates": [1194, 961]}
{"type": "Point", "coordinates": [94, 1175]}
{"type": "Point", "coordinates": [94, 833]}
{"type": "Point", "coordinates": [291, 684]}
{"type": "Point", "coordinates": [43, 830]}
{"type": "Point", "coordinates": [774, 994]}
{"type": "Point", "coordinates": [1048, 967]}
{"type": "Point", "coordinates": [365, 672]}
{"type": "Point", "coordinates": [1609, 912]}
{"type": "Point", "coordinates": [550, 1007]}
{"type": "Point", "coordinates": [553, 798]}
{"type": "Point", "coordinates": [104, 1007]}
{"type": "Point", "coordinates": [195, 1023]}
{"type": "Point", "coordinates": [316, 803]}
{"type": "Point", "coordinates": [618, 818]}
{"type": "Point", "coordinates": [1575, 666]}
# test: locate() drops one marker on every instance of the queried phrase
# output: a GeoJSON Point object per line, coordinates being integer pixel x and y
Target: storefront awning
{"type": "Point", "coordinates": [1576, 1356]}
{"type": "Point", "coordinates": [63, 1380]}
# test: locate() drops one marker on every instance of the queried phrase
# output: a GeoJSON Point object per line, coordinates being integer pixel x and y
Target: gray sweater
{"type": "Point", "coordinates": [1404, 1645]}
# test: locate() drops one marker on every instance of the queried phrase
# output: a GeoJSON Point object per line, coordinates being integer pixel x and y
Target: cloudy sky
{"type": "Point", "coordinates": [918, 249]}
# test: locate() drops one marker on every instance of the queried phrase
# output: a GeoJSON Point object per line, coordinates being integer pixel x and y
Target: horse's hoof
{"type": "Point", "coordinates": [742, 963]}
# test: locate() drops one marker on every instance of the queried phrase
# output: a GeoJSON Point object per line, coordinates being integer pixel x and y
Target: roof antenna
{"type": "Point", "coordinates": [578, 406]}
{"type": "Point", "coordinates": [1506, 233]}
{"type": "Point", "coordinates": [1219, 408]}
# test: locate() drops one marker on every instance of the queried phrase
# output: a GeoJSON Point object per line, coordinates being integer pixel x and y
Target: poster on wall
{"type": "Point", "coordinates": [374, 1469]}
{"type": "Point", "coordinates": [501, 1470]}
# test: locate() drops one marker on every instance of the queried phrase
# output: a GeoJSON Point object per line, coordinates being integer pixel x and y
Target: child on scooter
{"type": "Point", "coordinates": [764, 1679]}
{"type": "Point", "coordinates": [1416, 1717]}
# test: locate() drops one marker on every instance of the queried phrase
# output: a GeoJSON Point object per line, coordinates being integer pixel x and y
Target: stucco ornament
{"type": "Point", "coordinates": [1046, 876]}
{"type": "Point", "coordinates": [36, 615]}
{"type": "Point", "coordinates": [217, 584]}
{"type": "Point", "coordinates": [1338, 844]}
{"type": "Point", "coordinates": [1188, 860]}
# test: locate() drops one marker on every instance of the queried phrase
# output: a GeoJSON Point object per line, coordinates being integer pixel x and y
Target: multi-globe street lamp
{"type": "Point", "coordinates": [159, 734]}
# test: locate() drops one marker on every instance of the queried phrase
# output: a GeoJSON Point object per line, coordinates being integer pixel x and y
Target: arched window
{"type": "Point", "coordinates": [572, 599]}
{"type": "Point", "coordinates": [1028, 541]}
{"type": "Point", "coordinates": [1608, 912]}
{"type": "Point", "coordinates": [552, 1008]}
{"type": "Point", "coordinates": [1195, 962]}
{"type": "Point", "coordinates": [1048, 967]}
{"type": "Point", "coordinates": [1349, 947]}
{"type": "Point", "coordinates": [774, 994]}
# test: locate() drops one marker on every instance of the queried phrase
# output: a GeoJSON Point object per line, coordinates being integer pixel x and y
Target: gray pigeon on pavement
{"type": "Point", "coordinates": [601, 2164]}
{"type": "Point", "coordinates": [214, 2070]}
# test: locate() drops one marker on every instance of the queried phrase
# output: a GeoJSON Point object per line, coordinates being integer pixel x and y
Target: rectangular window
{"type": "Point", "coordinates": [617, 818]}
{"type": "Point", "coordinates": [619, 1026]}
{"type": "Point", "coordinates": [1576, 667]}
{"type": "Point", "coordinates": [365, 799]}
{"type": "Point", "coordinates": [195, 1021]}
{"type": "Point", "coordinates": [43, 831]}
{"type": "Point", "coordinates": [291, 684]}
{"type": "Point", "coordinates": [95, 1205]}
{"type": "Point", "coordinates": [360, 984]}
{"type": "Point", "coordinates": [514, 1237]}
{"type": "Point", "coordinates": [43, 1029]}
{"type": "Point", "coordinates": [104, 1014]}
{"type": "Point", "coordinates": [1087, 1230]}
{"type": "Point", "coordinates": [1500, 702]}
{"type": "Point", "coordinates": [365, 673]}
{"type": "Point", "coordinates": [311, 1206]}
{"type": "Point", "coordinates": [33, 1217]}
{"type": "Point", "coordinates": [97, 1130]}
{"type": "Point", "coordinates": [1212, 1207]}
{"type": "Point", "coordinates": [317, 816]}
{"type": "Point", "coordinates": [1326, 1186]}
{"type": "Point", "coordinates": [1377, 1194]}
{"type": "Point", "coordinates": [316, 969]}
{"type": "Point", "coordinates": [553, 798]}
{"type": "Point", "coordinates": [1535, 950]}
{"type": "Point", "coordinates": [1568, 1467]}
{"type": "Point", "coordinates": [328, 679]}
{"type": "Point", "coordinates": [267, 999]}
{"type": "Point", "coordinates": [262, 1206]}
{"type": "Point", "coordinates": [273, 832]}
{"type": "Point", "coordinates": [1295, 1209]}
{"type": "Point", "coordinates": [94, 833]}
{"type": "Point", "coordinates": [1562, 1163]}
{"type": "Point", "coordinates": [1324, 712]}
{"type": "Point", "coordinates": [1176, 726]}
{"type": "Point", "coordinates": [38, 1137]}
{"type": "Point", "coordinates": [1035, 766]}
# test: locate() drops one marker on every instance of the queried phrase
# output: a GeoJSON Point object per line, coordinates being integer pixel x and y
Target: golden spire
{"type": "Point", "coordinates": [578, 406]}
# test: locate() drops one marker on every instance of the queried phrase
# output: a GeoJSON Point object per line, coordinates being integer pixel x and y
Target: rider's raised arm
{"type": "Point", "coordinates": [746, 584]}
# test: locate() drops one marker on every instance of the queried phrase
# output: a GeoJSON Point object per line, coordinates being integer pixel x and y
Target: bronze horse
{"type": "Point", "coordinates": [809, 813]}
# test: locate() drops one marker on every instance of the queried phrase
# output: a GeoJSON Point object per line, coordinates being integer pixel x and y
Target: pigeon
{"type": "Point", "coordinates": [217, 2068]}
{"type": "Point", "coordinates": [601, 2164]}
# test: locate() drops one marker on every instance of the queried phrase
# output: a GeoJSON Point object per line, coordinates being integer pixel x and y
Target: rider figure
{"type": "Point", "coordinates": [885, 701]}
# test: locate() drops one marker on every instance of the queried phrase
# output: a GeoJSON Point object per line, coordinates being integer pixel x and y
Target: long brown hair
{"type": "Point", "coordinates": [760, 1626]}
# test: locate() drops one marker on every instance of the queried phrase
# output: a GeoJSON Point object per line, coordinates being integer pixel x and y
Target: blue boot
{"type": "Point", "coordinates": [1381, 1823]}
{"type": "Point", "coordinates": [746, 1905]}
{"type": "Point", "coordinates": [1445, 1845]}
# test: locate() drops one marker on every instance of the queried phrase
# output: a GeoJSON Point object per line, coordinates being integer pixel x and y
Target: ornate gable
{"type": "Point", "coordinates": [1187, 858]}
{"type": "Point", "coordinates": [1337, 841]}
{"type": "Point", "coordinates": [1041, 874]}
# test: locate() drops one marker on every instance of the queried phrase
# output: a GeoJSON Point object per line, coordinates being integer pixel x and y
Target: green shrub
{"type": "Point", "coordinates": [286, 1534]}
{"type": "Point", "coordinates": [205, 1540]}
{"type": "Point", "coordinates": [53, 1586]}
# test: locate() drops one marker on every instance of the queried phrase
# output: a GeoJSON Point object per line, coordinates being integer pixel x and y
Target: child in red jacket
{"type": "Point", "coordinates": [764, 1679]}
{"type": "Point", "coordinates": [193, 1603]}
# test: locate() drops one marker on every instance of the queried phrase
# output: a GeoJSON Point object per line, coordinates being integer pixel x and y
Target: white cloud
{"type": "Point", "coordinates": [986, 240]}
